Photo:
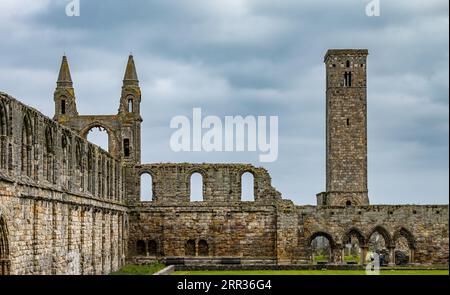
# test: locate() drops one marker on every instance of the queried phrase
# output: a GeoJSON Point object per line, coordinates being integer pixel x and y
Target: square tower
{"type": "Point", "coordinates": [346, 128]}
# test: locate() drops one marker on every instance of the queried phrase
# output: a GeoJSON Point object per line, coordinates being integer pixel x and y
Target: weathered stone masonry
{"type": "Point", "coordinates": [69, 207]}
{"type": "Point", "coordinates": [61, 203]}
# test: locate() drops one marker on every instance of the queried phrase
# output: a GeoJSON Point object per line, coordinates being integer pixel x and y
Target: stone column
{"type": "Point", "coordinates": [363, 254]}
{"type": "Point", "coordinates": [392, 256]}
{"type": "Point", "coordinates": [411, 256]}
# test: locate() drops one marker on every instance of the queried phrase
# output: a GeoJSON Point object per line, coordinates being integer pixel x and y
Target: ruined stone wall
{"type": "Point", "coordinates": [425, 227]}
{"type": "Point", "coordinates": [268, 228]}
{"type": "Point", "coordinates": [61, 197]}
{"type": "Point", "coordinates": [242, 230]}
{"type": "Point", "coordinates": [221, 182]}
{"type": "Point", "coordinates": [227, 226]}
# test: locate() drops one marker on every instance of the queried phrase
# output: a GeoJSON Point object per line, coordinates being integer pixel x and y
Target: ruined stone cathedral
{"type": "Point", "coordinates": [69, 207]}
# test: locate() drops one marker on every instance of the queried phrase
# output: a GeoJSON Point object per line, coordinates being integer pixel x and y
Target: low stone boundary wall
{"type": "Point", "coordinates": [225, 267]}
{"type": "Point", "coordinates": [255, 267]}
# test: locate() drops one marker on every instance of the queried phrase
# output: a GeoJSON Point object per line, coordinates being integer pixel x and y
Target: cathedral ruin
{"type": "Point", "coordinates": [69, 207]}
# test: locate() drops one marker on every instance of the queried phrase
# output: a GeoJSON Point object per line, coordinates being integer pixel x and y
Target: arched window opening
{"type": "Point", "coordinates": [63, 106]}
{"type": "Point", "coordinates": [140, 248]}
{"type": "Point", "coordinates": [347, 64]}
{"type": "Point", "coordinates": [348, 203]}
{"type": "Point", "coordinates": [146, 187]}
{"type": "Point", "coordinates": [26, 146]}
{"type": "Point", "coordinates": [203, 249]}
{"type": "Point", "coordinates": [91, 172]}
{"type": "Point", "coordinates": [196, 187]}
{"type": "Point", "coordinates": [4, 249]}
{"type": "Point", "coordinates": [126, 147]}
{"type": "Point", "coordinates": [347, 79]}
{"type": "Point", "coordinates": [152, 248]}
{"type": "Point", "coordinates": [79, 166]}
{"type": "Point", "coordinates": [3, 137]}
{"type": "Point", "coordinates": [65, 161]}
{"type": "Point", "coordinates": [130, 105]}
{"type": "Point", "coordinates": [48, 156]}
{"type": "Point", "coordinates": [247, 187]}
{"type": "Point", "coordinates": [321, 250]}
{"type": "Point", "coordinates": [189, 248]}
{"type": "Point", "coordinates": [100, 176]}
{"type": "Point", "coordinates": [108, 178]}
{"type": "Point", "coordinates": [99, 136]}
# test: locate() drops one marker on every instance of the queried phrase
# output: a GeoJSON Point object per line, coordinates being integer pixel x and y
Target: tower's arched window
{"type": "Point", "coordinates": [126, 147]}
{"type": "Point", "coordinates": [196, 187]}
{"type": "Point", "coordinates": [130, 105]}
{"type": "Point", "coordinates": [347, 64]}
{"type": "Point", "coordinates": [347, 79]}
{"type": "Point", "coordinates": [146, 187]}
{"type": "Point", "coordinates": [247, 187]}
{"type": "Point", "coordinates": [63, 106]}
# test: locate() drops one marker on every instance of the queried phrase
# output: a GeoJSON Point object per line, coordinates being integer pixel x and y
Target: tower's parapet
{"type": "Point", "coordinates": [346, 128]}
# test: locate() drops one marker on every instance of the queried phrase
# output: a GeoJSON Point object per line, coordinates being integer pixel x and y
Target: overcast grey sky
{"type": "Point", "coordinates": [251, 57]}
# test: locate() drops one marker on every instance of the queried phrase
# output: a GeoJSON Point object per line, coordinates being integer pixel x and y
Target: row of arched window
{"type": "Point", "coordinates": [59, 158]}
{"type": "Point", "coordinates": [196, 187]}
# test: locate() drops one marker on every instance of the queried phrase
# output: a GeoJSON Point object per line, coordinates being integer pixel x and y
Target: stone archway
{"type": "Point", "coordinates": [322, 246]}
{"type": "Point", "coordinates": [354, 247]}
{"type": "Point", "coordinates": [5, 263]}
{"type": "Point", "coordinates": [379, 242]}
{"type": "Point", "coordinates": [113, 142]}
{"type": "Point", "coordinates": [405, 246]}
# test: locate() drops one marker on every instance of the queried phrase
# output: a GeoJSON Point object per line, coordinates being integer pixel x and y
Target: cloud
{"type": "Point", "coordinates": [258, 57]}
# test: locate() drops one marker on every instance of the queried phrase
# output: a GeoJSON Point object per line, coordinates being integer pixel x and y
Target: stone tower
{"type": "Point", "coordinates": [130, 115]}
{"type": "Point", "coordinates": [346, 128]}
{"type": "Point", "coordinates": [64, 96]}
{"type": "Point", "coordinates": [124, 128]}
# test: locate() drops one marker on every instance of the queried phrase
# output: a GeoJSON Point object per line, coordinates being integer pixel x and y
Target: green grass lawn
{"type": "Point", "coordinates": [139, 269]}
{"type": "Point", "coordinates": [313, 272]}
{"type": "Point", "coordinates": [151, 269]}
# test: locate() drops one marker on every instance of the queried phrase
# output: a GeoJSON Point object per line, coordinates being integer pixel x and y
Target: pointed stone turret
{"type": "Point", "coordinates": [130, 77]}
{"type": "Point", "coordinates": [64, 96]}
{"type": "Point", "coordinates": [64, 77]}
